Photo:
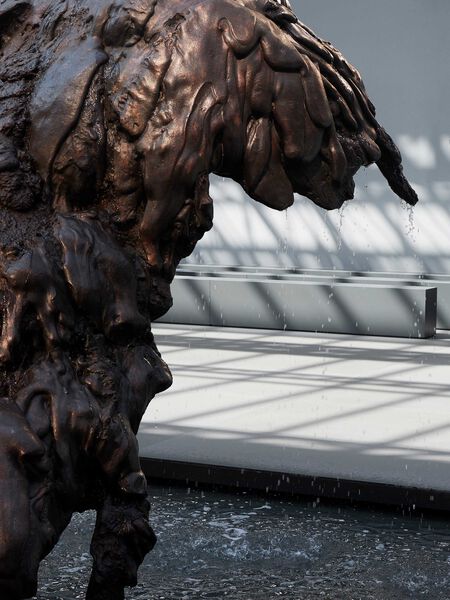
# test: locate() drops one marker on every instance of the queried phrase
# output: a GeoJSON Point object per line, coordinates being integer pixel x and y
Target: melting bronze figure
{"type": "Point", "coordinates": [113, 113]}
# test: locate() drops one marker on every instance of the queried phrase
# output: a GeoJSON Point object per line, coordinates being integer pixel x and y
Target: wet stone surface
{"type": "Point", "coordinates": [217, 545]}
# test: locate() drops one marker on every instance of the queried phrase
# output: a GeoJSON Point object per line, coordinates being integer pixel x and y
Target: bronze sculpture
{"type": "Point", "coordinates": [113, 113]}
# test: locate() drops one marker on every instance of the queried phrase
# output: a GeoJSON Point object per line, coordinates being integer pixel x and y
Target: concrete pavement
{"type": "Point", "coordinates": [364, 409]}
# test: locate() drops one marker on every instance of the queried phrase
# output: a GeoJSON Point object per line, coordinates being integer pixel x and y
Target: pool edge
{"type": "Point", "coordinates": [318, 488]}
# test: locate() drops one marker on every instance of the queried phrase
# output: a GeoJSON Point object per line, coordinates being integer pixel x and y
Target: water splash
{"type": "Point", "coordinates": [217, 545]}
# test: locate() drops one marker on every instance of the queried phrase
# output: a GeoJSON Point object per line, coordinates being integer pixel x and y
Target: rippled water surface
{"type": "Point", "coordinates": [217, 545]}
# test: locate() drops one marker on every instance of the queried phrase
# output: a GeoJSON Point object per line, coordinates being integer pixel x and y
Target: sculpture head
{"type": "Point", "coordinates": [242, 89]}
{"type": "Point", "coordinates": [146, 99]}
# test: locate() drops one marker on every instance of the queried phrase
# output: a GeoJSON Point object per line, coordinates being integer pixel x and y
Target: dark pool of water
{"type": "Point", "coordinates": [217, 545]}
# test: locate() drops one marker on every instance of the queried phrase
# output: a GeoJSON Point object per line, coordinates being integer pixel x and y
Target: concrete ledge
{"type": "Point", "coordinates": [440, 281]}
{"type": "Point", "coordinates": [319, 488]}
{"type": "Point", "coordinates": [297, 303]}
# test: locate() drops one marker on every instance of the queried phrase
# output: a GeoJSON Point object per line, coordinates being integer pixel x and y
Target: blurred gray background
{"type": "Point", "coordinates": [402, 49]}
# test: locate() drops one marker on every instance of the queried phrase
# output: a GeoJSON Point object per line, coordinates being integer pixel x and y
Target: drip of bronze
{"type": "Point", "coordinates": [113, 113]}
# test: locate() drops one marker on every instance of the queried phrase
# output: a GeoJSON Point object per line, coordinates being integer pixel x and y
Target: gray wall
{"type": "Point", "coordinates": [402, 48]}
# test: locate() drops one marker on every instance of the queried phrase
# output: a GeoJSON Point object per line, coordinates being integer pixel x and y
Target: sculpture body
{"type": "Point", "coordinates": [113, 113]}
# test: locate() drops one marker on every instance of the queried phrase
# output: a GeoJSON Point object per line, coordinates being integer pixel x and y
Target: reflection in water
{"type": "Point", "coordinates": [218, 545]}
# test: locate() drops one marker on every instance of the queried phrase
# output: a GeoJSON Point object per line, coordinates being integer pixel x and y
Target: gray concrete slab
{"type": "Point", "coordinates": [349, 407]}
{"type": "Point", "coordinates": [440, 281]}
{"type": "Point", "coordinates": [300, 304]}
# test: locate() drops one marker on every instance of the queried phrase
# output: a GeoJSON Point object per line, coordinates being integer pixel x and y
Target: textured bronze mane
{"type": "Point", "coordinates": [112, 116]}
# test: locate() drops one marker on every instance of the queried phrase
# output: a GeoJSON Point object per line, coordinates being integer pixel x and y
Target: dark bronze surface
{"type": "Point", "coordinates": [112, 116]}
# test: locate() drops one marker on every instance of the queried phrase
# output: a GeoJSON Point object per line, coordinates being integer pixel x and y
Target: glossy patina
{"type": "Point", "coordinates": [112, 116]}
